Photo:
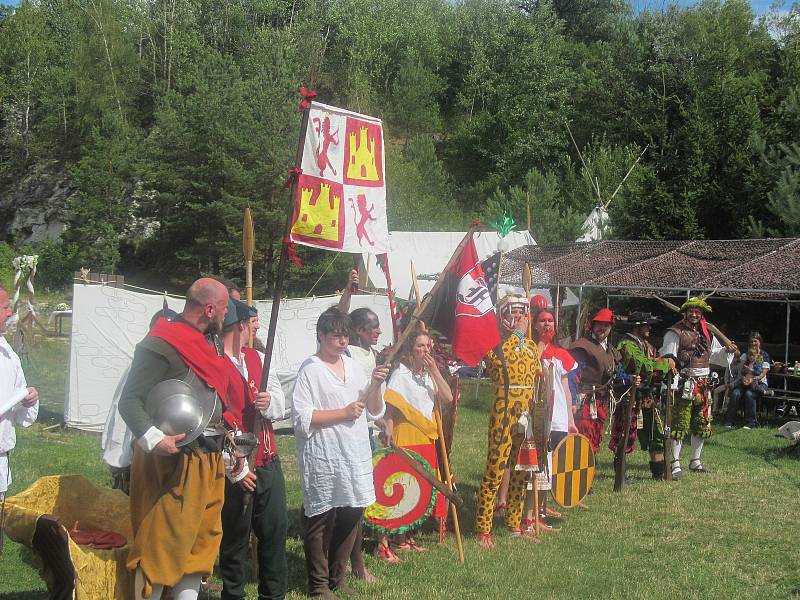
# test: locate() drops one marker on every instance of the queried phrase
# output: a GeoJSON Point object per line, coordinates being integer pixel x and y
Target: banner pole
{"type": "Point", "coordinates": [284, 259]}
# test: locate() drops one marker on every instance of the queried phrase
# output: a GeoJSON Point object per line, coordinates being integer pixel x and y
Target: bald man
{"type": "Point", "coordinates": [177, 490]}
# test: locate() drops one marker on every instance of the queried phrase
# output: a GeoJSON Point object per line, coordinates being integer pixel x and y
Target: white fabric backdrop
{"type": "Point", "coordinates": [108, 322]}
{"type": "Point", "coordinates": [430, 251]}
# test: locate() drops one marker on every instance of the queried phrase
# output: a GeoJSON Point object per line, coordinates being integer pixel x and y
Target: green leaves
{"type": "Point", "coordinates": [173, 116]}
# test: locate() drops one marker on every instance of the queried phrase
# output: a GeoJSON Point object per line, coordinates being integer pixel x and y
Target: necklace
{"type": "Point", "coordinates": [419, 379]}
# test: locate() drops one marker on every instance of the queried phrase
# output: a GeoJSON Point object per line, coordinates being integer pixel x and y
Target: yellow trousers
{"type": "Point", "coordinates": [176, 514]}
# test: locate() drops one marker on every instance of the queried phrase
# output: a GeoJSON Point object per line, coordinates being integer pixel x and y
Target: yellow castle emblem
{"type": "Point", "coordinates": [361, 161]}
{"type": "Point", "coordinates": [318, 216]}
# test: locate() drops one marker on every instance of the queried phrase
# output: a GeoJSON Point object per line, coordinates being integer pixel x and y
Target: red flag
{"type": "Point", "coordinates": [463, 309]}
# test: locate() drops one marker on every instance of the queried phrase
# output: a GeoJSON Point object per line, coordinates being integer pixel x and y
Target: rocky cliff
{"type": "Point", "coordinates": [32, 208]}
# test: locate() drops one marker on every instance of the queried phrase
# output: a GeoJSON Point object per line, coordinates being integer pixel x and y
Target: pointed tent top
{"type": "Point", "coordinates": [595, 225]}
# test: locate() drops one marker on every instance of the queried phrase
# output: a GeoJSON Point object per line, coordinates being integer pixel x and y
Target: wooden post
{"type": "Point", "coordinates": [357, 267]}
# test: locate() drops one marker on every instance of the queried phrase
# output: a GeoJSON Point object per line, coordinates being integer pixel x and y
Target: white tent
{"type": "Point", "coordinates": [430, 251]}
{"type": "Point", "coordinates": [108, 322]}
{"type": "Point", "coordinates": [595, 225]}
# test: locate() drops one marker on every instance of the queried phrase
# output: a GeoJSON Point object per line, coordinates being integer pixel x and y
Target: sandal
{"type": "Point", "coordinates": [411, 544]}
{"type": "Point", "coordinates": [500, 510]}
{"type": "Point", "coordinates": [485, 540]}
{"type": "Point", "coordinates": [525, 531]}
{"type": "Point", "coordinates": [545, 526]}
{"type": "Point", "coordinates": [386, 554]}
{"type": "Point", "coordinates": [549, 512]}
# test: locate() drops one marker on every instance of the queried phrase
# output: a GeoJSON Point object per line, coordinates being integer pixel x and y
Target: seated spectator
{"type": "Point", "coordinates": [751, 383]}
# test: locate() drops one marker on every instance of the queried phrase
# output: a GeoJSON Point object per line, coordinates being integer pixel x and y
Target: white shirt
{"type": "Point", "coordinates": [560, 420]}
{"type": "Point", "coordinates": [117, 437]}
{"type": "Point", "coordinates": [419, 393]}
{"type": "Point", "coordinates": [719, 356]}
{"type": "Point", "coordinates": [335, 462]}
{"type": "Point", "coordinates": [12, 382]}
{"type": "Point", "coordinates": [365, 358]}
{"type": "Point", "coordinates": [277, 404]}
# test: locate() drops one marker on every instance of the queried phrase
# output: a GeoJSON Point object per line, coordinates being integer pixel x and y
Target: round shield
{"type": "Point", "coordinates": [403, 499]}
{"type": "Point", "coordinates": [573, 470]}
{"type": "Point", "coordinates": [182, 406]}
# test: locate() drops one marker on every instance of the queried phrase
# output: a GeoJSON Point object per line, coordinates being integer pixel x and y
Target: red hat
{"type": "Point", "coordinates": [604, 315]}
{"type": "Point", "coordinates": [538, 301]}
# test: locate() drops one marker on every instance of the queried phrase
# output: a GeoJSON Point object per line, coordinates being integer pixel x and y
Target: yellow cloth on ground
{"type": "Point", "coordinates": [176, 513]}
{"type": "Point", "coordinates": [100, 574]}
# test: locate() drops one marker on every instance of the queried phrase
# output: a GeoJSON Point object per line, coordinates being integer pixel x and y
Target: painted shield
{"type": "Point", "coordinates": [403, 499]}
{"type": "Point", "coordinates": [573, 470]}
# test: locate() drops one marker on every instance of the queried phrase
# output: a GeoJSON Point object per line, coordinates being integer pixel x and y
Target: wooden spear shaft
{"type": "Point", "coordinates": [249, 246]}
{"type": "Point", "coordinates": [373, 386]}
{"type": "Point", "coordinates": [668, 431]}
{"type": "Point", "coordinates": [282, 263]}
{"type": "Point", "coordinates": [449, 483]}
{"type": "Point", "coordinates": [627, 414]}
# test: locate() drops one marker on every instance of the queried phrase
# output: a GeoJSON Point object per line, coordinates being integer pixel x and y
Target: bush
{"type": "Point", "coordinates": [7, 255]}
{"type": "Point", "coordinates": [57, 263]}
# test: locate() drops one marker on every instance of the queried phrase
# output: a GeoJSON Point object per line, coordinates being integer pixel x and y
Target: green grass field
{"type": "Point", "coordinates": [731, 534]}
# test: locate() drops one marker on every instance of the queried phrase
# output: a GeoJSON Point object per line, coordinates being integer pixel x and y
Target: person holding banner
{"type": "Point", "coordinates": [332, 398]}
{"type": "Point", "coordinates": [19, 404]}
{"type": "Point", "coordinates": [410, 398]}
{"type": "Point", "coordinates": [255, 500]}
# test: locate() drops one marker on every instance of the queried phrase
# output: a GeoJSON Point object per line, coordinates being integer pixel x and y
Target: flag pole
{"type": "Point", "coordinates": [284, 259]}
{"type": "Point", "coordinates": [416, 288]}
{"type": "Point", "coordinates": [373, 386]}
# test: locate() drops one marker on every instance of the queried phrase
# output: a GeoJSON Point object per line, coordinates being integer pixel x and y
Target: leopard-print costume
{"type": "Point", "coordinates": [522, 362]}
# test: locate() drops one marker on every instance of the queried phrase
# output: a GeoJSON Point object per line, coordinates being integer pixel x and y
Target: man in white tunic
{"type": "Point", "coordinates": [19, 404]}
{"type": "Point", "coordinates": [332, 397]}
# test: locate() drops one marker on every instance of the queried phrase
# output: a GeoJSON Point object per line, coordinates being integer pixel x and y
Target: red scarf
{"type": "Point", "coordinates": [553, 351]}
{"type": "Point", "coordinates": [200, 356]}
{"type": "Point", "coordinates": [267, 450]}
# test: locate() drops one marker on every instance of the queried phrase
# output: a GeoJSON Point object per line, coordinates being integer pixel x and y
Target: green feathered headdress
{"type": "Point", "coordinates": [696, 302]}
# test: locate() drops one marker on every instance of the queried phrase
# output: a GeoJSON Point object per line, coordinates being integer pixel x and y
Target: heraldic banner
{"type": "Point", "coordinates": [341, 191]}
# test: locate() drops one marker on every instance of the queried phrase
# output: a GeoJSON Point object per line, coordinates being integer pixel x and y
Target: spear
{"type": "Point", "coordinates": [625, 428]}
{"type": "Point", "coordinates": [249, 246]}
{"type": "Point", "coordinates": [526, 284]}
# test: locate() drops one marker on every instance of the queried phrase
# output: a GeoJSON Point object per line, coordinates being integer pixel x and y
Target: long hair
{"type": "Point", "coordinates": [407, 349]}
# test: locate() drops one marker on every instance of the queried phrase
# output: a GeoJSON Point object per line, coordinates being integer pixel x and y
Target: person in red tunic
{"type": "Point", "coordinates": [255, 500]}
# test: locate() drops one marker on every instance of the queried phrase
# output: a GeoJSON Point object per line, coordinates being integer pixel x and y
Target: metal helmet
{"type": "Point", "coordinates": [507, 304]}
{"type": "Point", "coordinates": [183, 406]}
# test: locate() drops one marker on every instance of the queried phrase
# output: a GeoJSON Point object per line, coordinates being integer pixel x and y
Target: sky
{"type": "Point", "coordinates": [759, 6]}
